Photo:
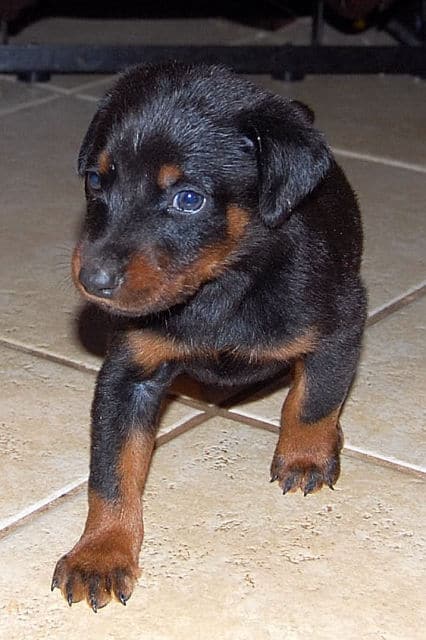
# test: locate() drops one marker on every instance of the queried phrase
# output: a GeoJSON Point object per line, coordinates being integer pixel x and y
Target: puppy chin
{"type": "Point", "coordinates": [132, 309]}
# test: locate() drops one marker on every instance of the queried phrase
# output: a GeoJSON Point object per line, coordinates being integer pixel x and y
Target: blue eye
{"type": "Point", "coordinates": [93, 180]}
{"type": "Point", "coordinates": [188, 201]}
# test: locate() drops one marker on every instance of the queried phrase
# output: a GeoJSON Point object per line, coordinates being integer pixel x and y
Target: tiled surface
{"type": "Point", "coordinates": [44, 431]}
{"type": "Point", "coordinates": [386, 413]}
{"type": "Point", "coordinates": [43, 197]}
{"type": "Point", "coordinates": [225, 555]}
{"type": "Point", "coordinates": [393, 203]}
{"type": "Point", "coordinates": [16, 94]}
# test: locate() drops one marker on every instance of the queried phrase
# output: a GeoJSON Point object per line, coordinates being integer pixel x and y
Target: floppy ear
{"type": "Point", "coordinates": [292, 156]}
{"type": "Point", "coordinates": [94, 138]}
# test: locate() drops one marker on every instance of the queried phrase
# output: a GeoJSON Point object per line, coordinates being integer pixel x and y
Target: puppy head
{"type": "Point", "coordinates": [183, 167]}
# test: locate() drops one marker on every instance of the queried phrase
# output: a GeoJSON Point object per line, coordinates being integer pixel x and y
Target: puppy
{"type": "Point", "coordinates": [220, 224]}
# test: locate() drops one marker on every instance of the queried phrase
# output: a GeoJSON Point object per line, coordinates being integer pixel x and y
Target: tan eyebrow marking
{"type": "Point", "coordinates": [168, 175]}
{"type": "Point", "coordinates": [104, 162]}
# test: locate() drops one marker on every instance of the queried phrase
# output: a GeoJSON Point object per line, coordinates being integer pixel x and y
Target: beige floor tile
{"type": "Point", "coordinates": [364, 114]}
{"type": "Point", "coordinates": [85, 83]}
{"type": "Point", "coordinates": [15, 94]}
{"type": "Point", "coordinates": [44, 430]}
{"type": "Point", "coordinates": [41, 200]}
{"type": "Point", "coordinates": [386, 413]}
{"type": "Point", "coordinates": [227, 556]}
{"type": "Point", "coordinates": [392, 203]}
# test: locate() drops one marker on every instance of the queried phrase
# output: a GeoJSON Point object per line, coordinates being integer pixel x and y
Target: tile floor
{"type": "Point", "coordinates": [243, 562]}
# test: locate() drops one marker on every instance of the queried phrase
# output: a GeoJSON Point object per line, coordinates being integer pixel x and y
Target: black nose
{"type": "Point", "coordinates": [100, 282]}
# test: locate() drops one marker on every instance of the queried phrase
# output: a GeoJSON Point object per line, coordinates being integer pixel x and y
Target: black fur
{"type": "Point", "coordinates": [292, 269]}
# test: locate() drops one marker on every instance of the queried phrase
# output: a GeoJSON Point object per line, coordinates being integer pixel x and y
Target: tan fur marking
{"type": "Point", "coordinates": [213, 260]}
{"type": "Point", "coordinates": [126, 511]}
{"type": "Point", "coordinates": [143, 275]}
{"type": "Point", "coordinates": [104, 162]}
{"type": "Point", "coordinates": [288, 351]}
{"type": "Point", "coordinates": [133, 466]}
{"type": "Point", "coordinates": [168, 175]}
{"type": "Point", "coordinates": [150, 349]}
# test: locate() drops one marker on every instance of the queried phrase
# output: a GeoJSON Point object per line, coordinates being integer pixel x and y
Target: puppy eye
{"type": "Point", "coordinates": [93, 180]}
{"type": "Point", "coordinates": [188, 201]}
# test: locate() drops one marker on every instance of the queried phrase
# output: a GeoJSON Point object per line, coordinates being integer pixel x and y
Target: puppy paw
{"type": "Point", "coordinates": [308, 464]}
{"type": "Point", "coordinates": [304, 475]}
{"type": "Point", "coordinates": [96, 570]}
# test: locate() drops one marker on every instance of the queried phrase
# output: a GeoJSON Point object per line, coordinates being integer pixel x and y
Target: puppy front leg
{"type": "Point", "coordinates": [307, 455]}
{"type": "Point", "coordinates": [104, 563]}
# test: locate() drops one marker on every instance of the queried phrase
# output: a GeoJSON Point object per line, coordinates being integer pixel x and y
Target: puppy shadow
{"type": "Point", "coordinates": [94, 329]}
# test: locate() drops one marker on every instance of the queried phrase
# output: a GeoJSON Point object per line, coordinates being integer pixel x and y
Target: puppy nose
{"type": "Point", "coordinates": [100, 282]}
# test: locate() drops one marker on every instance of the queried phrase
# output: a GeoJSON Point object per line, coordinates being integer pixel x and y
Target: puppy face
{"type": "Point", "coordinates": [183, 166]}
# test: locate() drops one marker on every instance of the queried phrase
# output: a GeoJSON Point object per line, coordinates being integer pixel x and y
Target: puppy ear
{"type": "Point", "coordinates": [95, 137]}
{"type": "Point", "coordinates": [292, 156]}
{"type": "Point", "coordinates": [87, 146]}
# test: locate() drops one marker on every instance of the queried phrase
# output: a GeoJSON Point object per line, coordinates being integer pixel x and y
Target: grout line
{"type": "Point", "coordinates": [392, 306]}
{"type": "Point", "coordinates": [28, 105]}
{"type": "Point", "coordinates": [12, 521]}
{"type": "Point", "coordinates": [53, 88]}
{"type": "Point", "coordinates": [350, 450]}
{"type": "Point", "coordinates": [250, 420]}
{"type": "Point", "coordinates": [86, 97]}
{"type": "Point", "coordinates": [385, 461]}
{"type": "Point", "coordinates": [22, 517]}
{"type": "Point", "coordinates": [48, 355]}
{"type": "Point", "coordinates": [178, 425]}
{"type": "Point", "coordinates": [194, 403]}
{"type": "Point", "coordinates": [390, 162]}
{"type": "Point", "coordinates": [184, 426]}
{"type": "Point", "coordinates": [49, 86]}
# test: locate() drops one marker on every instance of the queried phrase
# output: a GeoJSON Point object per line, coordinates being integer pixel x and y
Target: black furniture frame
{"type": "Point", "coordinates": [284, 62]}
{"type": "Point", "coordinates": [288, 62]}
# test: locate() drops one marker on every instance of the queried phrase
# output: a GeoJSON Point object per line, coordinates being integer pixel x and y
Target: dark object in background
{"type": "Point", "coordinates": [356, 9]}
{"type": "Point", "coordinates": [10, 9]}
{"type": "Point", "coordinates": [285, 62]}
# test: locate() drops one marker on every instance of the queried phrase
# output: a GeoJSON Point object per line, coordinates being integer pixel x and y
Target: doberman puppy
{"type": "Point", "coordinates": [220, 224]}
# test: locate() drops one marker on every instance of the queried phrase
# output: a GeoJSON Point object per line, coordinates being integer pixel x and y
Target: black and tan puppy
{"type": "Point", "coordinates": [219, 222]}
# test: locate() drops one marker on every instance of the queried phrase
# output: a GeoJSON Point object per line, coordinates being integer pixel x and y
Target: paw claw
{"type": "Point", "coordinates": [289, 484]}
{"type": "Point", "coordinates": [306, 474]}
